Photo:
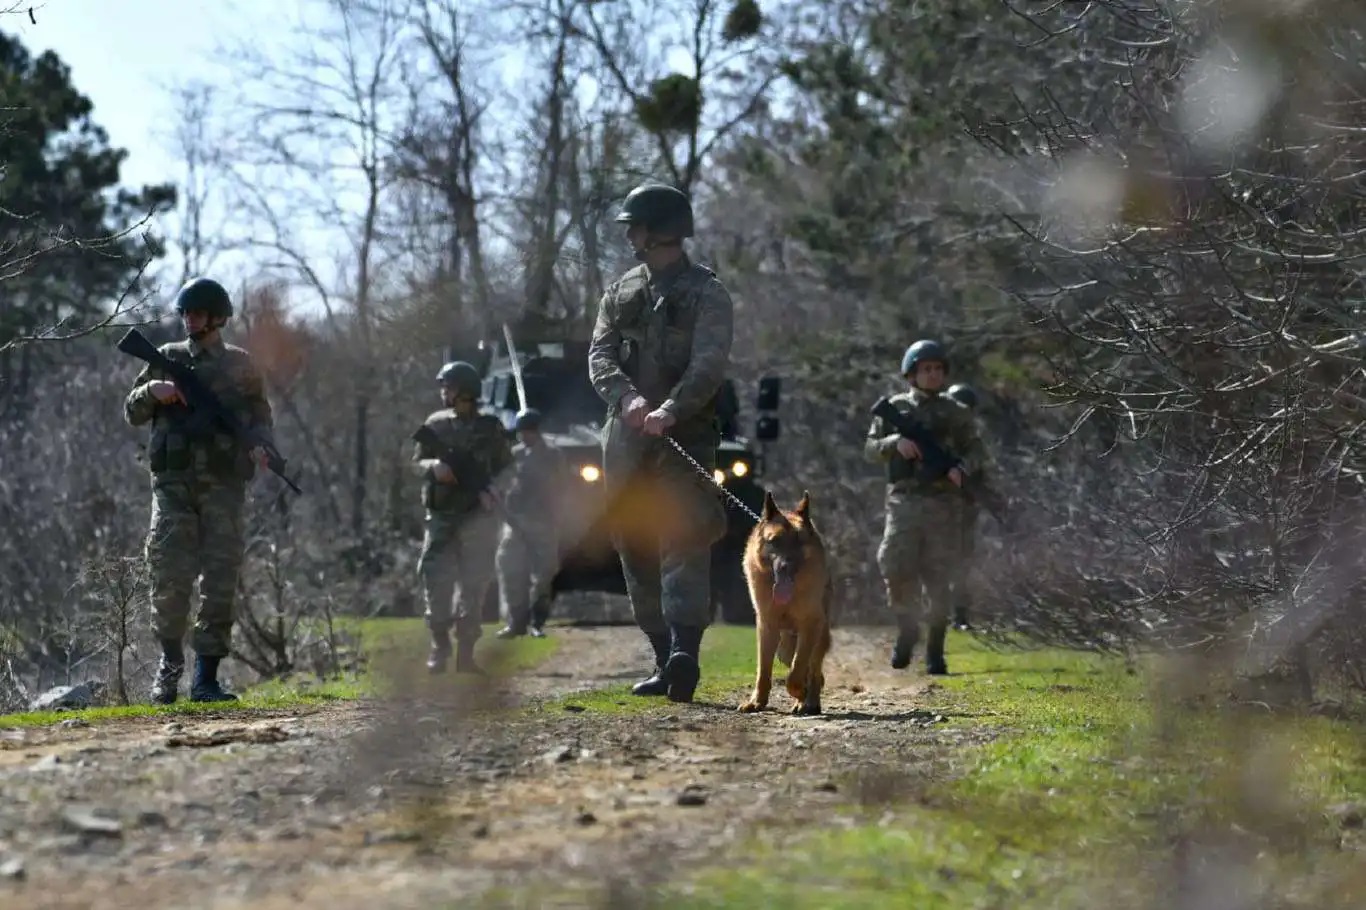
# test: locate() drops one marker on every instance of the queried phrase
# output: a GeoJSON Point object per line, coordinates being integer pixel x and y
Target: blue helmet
{"type": "Point", "coordinates": [924, 349]}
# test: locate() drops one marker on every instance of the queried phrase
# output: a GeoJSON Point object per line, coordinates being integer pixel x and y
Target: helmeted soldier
{"type": "Point", "coordinates": [922, 541]}
{"type": "Point", "coordinates": [199, 481]}
{"type": "Point", "coordinates": [659, 354]}
{"type": "Point", "coordinates": [461, 537]}
{"type": "Point", "coordinates": [528, 548]}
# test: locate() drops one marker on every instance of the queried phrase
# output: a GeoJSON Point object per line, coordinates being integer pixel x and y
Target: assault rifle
{"type": "Point", "coordinates": [202, 411]}
{"type": "Point", "coordinates": [936, 460]}
{"type": "Point", "coordinates": [469, 472]}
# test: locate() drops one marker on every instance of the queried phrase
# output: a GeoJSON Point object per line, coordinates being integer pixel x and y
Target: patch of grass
{"type": "Point", "coordinates": [1089, 782]}
{"type": "Point", "coordinates": [1078, 800]}
{"type": "Point", "coordinates": [727, 661]}
{"type": "Point", "coordinates": [380, 640]}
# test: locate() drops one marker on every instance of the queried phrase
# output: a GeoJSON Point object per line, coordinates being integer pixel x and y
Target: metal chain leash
{"type": "Point", "coordinates": [711, 479]}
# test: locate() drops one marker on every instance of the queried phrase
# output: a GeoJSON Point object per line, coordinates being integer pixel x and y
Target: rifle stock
{"type": "Point", "coordinates": [203, 406]}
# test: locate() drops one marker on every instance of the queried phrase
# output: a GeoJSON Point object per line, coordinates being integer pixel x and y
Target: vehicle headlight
{"type": "Point", "coordinates": [719, 476]}
{"type": "Point", "coordinates": [590, 473]}
{"type": "Point", "coordinates": [739, 469]}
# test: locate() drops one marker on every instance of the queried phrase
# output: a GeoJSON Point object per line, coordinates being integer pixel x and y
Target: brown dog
{"type": "Point", "coordinates": [791, 589]}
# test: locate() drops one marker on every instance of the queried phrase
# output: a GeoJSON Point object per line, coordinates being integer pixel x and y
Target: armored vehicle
{"type": "Point", "coordinates": [555, 376]}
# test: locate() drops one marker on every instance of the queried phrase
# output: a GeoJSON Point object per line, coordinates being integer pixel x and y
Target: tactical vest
{"type": "Point", "coordinates": [657, 335]}
{"type": "Point", "coordinates": [179, 444]}
{"type": "Point", "coordinates": [473, 436]}
{"type": "Point", "coordinates": [910, 474]}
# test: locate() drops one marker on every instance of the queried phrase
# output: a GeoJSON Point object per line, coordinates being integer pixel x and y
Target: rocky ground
{"type": "Point", "coordinates": [430, 795]}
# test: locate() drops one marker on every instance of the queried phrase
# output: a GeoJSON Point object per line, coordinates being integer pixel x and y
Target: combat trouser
{"type": "Point", "coordinates": [526, 566]}
{"type": "Point", "coordinates": [919, 557]}
{"type": "Point", "coordinates": [196, 533]}
{"type": "Point", "coordinates": [456, 568]}
{"type": "Point", "coordinates": [665, 518]}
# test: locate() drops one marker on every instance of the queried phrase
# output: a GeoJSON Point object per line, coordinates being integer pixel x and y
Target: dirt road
{"type": "Point", "coordinates": [417, 799]}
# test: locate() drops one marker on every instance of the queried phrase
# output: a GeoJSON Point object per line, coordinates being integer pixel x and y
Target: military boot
{"type": "Point", "coordinates": [540, 612]}
{"type": "Point", "coordinates": [658, 683]}
{"type": "Point", "coordinates": [464, 658]}
{"type": "Point", "coordinates": [204, 687]}
{"type": "Point", "coordinates": [511, 630]}
{"type": "Point", "coordinates": [166, 688]}
{"type": "Point", "coordinates": [960, 619]}
{"type": "Point", "coordinates": [907, 637]}
{"type": "Point", "coordinates": [684, 667]}
{"type": "Point", "coordinates": [934, 650]}
{"type": "Point", "coordinates": [440, 650]}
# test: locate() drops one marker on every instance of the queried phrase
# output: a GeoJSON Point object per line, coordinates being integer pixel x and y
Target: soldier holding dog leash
{"type": "Point", "coordinates": [660, 351]}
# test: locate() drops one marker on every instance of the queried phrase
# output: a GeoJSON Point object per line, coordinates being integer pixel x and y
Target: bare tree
{"type": "Point", "coordinates": [1194, 261]}
{"type": "Point", "coordinates": [116, 589]}
{"type": "Point", "coordinates": [440, 150]}
{"type": "Point", "coordinates": [201, 234]}
{"type": "Point", "coordinates": [326, 119]}
{"type": "Point", "coordinates": [732, 60]}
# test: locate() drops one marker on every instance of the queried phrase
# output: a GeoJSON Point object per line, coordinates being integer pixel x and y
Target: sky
{"type": "Point", "coordinates": [127, 56]}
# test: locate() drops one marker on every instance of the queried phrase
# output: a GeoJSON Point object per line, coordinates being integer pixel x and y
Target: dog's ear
{"type": "Point", "coordinates": [803, 510]}
{"type": "Point", "coordinates": [770, 510]}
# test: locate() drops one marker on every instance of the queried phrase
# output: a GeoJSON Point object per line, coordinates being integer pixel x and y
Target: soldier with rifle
{"type": "Point", "coordinates": [931, 450]}
{"type": "Point", "coordinates": [211, 427]}
{"type": "Point", "coordinates": [458, 452]}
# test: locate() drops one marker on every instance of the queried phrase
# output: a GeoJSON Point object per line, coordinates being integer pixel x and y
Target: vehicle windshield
{"type": "Point", "coordinates": [559, 387]}
{"type": "Point", "coordinates": [562, 392]}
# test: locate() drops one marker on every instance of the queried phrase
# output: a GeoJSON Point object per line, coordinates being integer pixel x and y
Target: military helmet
{"type": "Point", "coordinates": [963, 393]}
{"type": "Point", "coordinates": [461, 376]}
{"type": "Point", "coordinates": [206, 295]}
{"type": "Point", "coordinates": [527, 419]}
{"type": "Point", "coordinates": [924, 349]}
{"type": "Point", "coordinates": [662, 209]}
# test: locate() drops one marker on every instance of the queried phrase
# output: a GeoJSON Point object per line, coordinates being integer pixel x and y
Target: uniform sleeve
{"type": "Point", "coordinates": [140, 407]}
{"type": "Point", "coordinates": [967, 443]}
{"type": "Point", "coordinates": [604, 354]}
{"type": "Point", "coordinates": [501, 456]}
{"type": "Point", "coordinates": [424, 458]}
{"type": "Point", "coordinates": [880, 445]}
{"type": "Point", "coordinates": [260, 416]}
{"type": "Point", "coordinates": [710, 358]}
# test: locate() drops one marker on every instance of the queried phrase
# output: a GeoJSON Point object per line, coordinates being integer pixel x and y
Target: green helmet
{"type": "Point", "coordinates": [924, 349]}
{"type": "Point", "coordinates": [460, 376]}
{"type": "Point", "coordinates": [206, 295]}
{"type": "Point", "coordinates": [660, 208]}
{"type": "Point", "coordinates": [528, 419]}
{"type": "Point", "coordinates": [963, 393]}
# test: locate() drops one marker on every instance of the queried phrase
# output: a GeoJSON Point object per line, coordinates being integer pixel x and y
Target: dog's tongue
{"type": "Point", "coordinates": [782, 590]}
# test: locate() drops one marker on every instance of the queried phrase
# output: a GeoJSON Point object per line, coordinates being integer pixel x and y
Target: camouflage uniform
{"type": "Point", "coordinates": [528, 554]}
{"type": "Point", "coordinates": [964, 579]}
{"type": "Point", "coordinates": [461, 538]}
{"type": "Point", "coordinates": [922, 540]}
{"type": "Point", "coordinates": [198, 499]}
{"type": "Point", "coordinates": [665, 336]}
